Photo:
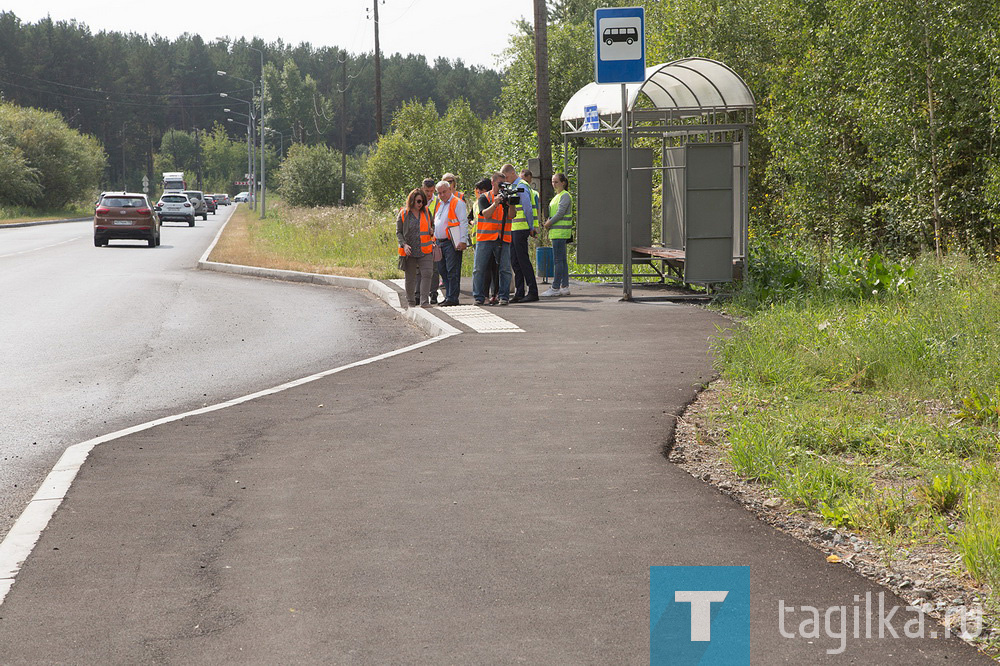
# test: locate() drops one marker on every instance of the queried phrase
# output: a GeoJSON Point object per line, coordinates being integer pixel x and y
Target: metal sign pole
{"type": "Point", "coordinates": [626, 222]}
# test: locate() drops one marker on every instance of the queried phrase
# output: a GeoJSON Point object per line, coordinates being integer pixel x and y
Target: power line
{"type": "Point", "coordinates": [105, 92]}
{"type": "Point", "coordinates": [109, 102]}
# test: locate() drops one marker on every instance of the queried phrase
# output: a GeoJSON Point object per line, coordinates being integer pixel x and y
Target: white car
{"type": "Point", "coordinates": [242, 197]}
{"type": "Point", "coordinates": [176, 206]}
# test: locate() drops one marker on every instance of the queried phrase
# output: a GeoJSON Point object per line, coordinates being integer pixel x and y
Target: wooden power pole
{"type": "Point", "coordinates": [542, 104]}
{"type": "Point", "coordinates": [378, 77]}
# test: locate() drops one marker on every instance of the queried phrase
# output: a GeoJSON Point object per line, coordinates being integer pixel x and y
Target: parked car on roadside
{"type": "Point", "coordinates": [197, 198]}
{"type": "Point", "coordinates": [222, 199]}
{"type": "Point", "coordinates": [242, 197]}
{"type": "Point", "coordinates": [210, 203]}
{"type": "Point", "coordinates": [125, 215]}
{"type": "Point", "coordinates": [176, 206]}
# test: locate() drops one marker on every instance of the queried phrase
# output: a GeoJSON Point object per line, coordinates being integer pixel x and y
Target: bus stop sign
{"type": "Point", "coordinates": [620, 45]}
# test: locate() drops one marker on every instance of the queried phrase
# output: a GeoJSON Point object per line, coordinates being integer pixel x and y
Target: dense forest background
{"type": "Point", "coordinates": [129, 90]}
{"type": "Point", "coordinates": [877, 124]}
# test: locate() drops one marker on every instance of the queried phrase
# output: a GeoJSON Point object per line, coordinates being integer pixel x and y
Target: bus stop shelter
{"type": "Point", "coordinates": [686, 126]}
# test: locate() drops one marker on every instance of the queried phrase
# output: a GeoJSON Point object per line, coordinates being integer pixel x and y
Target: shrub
{"type": "Point", "coordinates": [311, 176]}
{"type": "Point", "coordinates": [68, 164]}
{"type": "Point", "coordinates": [421, 145]}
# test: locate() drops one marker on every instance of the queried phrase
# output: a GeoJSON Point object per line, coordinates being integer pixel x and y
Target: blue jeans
{"type": "Point", "coordinates": [500, 252]}
{"type": "Point", "coordinates": [450, 269]}
{"type": "Point", "coordinates": [560, 265]}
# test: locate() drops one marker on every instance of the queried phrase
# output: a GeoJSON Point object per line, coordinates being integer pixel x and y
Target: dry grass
{"type": "Point", "coordinates": [351, 242]}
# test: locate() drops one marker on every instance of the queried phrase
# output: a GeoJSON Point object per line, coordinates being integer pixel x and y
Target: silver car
{"type": "Point", "coordinates": [176, 206]}
{"type": "Point", "coordinates": [197, 198]}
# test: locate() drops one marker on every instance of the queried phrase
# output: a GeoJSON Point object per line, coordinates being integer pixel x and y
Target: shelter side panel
{"type": "Point", "coordinates": [599, 198]}
{"type": "Point", "coordinates": [709, 212]}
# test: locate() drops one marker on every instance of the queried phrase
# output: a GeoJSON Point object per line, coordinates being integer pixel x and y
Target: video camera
{"type": "Point", "coordinates": [509, 194]}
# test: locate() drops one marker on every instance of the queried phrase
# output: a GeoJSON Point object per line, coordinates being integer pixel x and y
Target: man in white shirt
{"type": "Point", "coordinates": [452, 235]}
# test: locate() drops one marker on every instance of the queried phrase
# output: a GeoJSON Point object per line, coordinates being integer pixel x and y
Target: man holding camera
{"type": "Point", "coordinates": [522, 227]}
{"type": "Point", "coordinates": [493, 243]}
{"type": "Point", "coordinates": [451, 236]}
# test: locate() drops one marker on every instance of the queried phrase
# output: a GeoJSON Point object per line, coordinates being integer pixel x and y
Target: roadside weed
{"type": "Point", "coordinates": [941, 493]}
{"type": "Point", "coordinates": [978, 541]}
{"type": "Point", "coordinates": [865, 390]}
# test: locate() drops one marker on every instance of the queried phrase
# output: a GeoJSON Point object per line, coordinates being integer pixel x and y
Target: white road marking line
{"type": "Point", "coordinates": [475, 317]}
{"type": "Point", "coordinates": [480, 320]}
{"type": "Point", "coordinates": [21, 540]}
{"type": "Point", "coordinates": [44, 247]}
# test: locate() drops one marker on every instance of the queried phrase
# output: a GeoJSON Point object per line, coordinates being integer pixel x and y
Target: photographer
{"type": "Point", "coordinates": [494, 242]}
{"type": "Point", "coordinates": [522, 226]}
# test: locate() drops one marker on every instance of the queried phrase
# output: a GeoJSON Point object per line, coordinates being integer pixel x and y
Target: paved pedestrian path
{"type": "Point", "coordinates": [482, 499]}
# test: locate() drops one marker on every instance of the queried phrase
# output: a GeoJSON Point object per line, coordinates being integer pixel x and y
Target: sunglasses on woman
{"type": "Point", "coordinates": [419, 201]}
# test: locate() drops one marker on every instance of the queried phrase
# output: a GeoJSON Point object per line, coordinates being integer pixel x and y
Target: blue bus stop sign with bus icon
{"type": "Point", "coordinates": [620, 45]}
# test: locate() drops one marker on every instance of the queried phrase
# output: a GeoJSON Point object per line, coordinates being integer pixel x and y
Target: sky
{"type": "Point", "coordinates": [475, 31]}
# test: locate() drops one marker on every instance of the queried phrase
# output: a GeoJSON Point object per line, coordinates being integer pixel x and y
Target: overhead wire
{"type": "Point", "coordinates": [109, 102]}
{"type": "Point", "coordinates": [106, 92]}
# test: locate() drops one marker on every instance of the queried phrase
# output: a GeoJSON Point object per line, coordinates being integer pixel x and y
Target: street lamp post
{"type": "Point", "coordinates": [251, 127]}
{"type": "Point", "coordinates": [263, 183]}
{"type": "Point", "coordinates": [248, 125]}
{"type": "Point", "coordinates": [281, 136]}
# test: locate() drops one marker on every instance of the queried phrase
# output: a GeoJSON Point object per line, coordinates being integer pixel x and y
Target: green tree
{"type": "Point", "coordinates": [19, 184]}
{"type": "Point", "coordinates": [68, 164]}
{"type": "Point", "coordinates": [421, 144]}
{"type": "Point", "coordinates": [311, 176]}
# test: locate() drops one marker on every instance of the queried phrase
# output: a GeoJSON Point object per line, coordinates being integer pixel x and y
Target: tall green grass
{"type": "Point", "coordinates": [866, 390]}
{"type": "Point", "coordinates": [11, 214]}
{"type": "Point", "coordinates": [354, 239]}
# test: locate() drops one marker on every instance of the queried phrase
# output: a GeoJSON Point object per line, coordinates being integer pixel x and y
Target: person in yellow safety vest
{"type": "Point", "coordinates": [522, 227]}
{"type": "Point", "coordinates": [415, 235]}
{"type": "Point", "coordinates": [428, 188]}
{"type": "Point", "coordinates": [560, 226]}
{"type": "Point", "coordinates": [528, 178]}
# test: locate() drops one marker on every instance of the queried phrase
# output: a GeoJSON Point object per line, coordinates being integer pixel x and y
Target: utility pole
{"type": "Point", "coordinates": [343, 129]}
{"type": "Point", "coordinates": [378, 76]}
{"type": "Point", "coordinates": [542, 104]}
{"type": "Point", "coordinates": [197, 155]}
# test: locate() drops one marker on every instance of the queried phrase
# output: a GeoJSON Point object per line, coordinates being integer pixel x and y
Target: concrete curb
{"type": "Point", "coordinates": [41, 222]}
{"type": "Point", "coordinates": [420, 317]}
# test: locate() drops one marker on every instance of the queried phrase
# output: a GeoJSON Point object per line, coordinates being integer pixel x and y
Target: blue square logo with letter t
{"type": "Point", "coordinates": [698, 615]}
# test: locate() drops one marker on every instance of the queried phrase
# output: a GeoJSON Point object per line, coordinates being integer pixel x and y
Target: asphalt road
{"type": "Point", "coordinates": [484, 499]}
{"type": "Point", "coordinates": [95, 339]}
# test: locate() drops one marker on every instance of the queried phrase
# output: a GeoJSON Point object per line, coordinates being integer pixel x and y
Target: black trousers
{"type": "Point", "coordinates": [520, 262]}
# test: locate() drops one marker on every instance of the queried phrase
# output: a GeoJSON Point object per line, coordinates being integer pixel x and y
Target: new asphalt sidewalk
{"type": "Point", "coordinates": [487, 498]}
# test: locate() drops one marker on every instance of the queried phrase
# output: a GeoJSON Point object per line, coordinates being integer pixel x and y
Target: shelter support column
{"type": "Point", "coordinates": [626, 226]}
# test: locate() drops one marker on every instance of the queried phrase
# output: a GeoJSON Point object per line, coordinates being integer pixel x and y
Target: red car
{"type": "Point", "coordinates": [125, 215]}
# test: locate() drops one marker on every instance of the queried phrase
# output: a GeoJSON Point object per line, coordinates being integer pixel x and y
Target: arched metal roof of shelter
{"type": "Point", "coordinates": [690, 86]}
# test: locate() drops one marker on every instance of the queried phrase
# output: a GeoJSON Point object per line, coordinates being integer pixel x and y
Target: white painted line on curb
{"type": "Point", "coordinates": [21, 540]}
{"type": "Point", "coordinates": [425, 320]}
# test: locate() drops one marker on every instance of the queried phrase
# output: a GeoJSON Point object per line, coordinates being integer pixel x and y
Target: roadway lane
{"type": "Point", "coordinates": [96, 339]}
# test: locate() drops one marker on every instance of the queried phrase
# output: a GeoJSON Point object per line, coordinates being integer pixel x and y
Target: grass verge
{"type": "Point", "coordinates": [17, 215]}
{"type": "Point", "coordinates": [339, 241]}
{"type": "Point", "coordinates": [868, 396]}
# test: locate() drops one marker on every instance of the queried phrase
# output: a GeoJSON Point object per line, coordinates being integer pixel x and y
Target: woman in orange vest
{"type": "Point", "coordinates": [415, 235]}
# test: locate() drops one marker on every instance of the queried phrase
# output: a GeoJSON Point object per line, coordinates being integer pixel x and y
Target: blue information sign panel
{"type": "Point", "coordinates": [591, 118]}
{"type": "Point", "coordinates": [620, 46]}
